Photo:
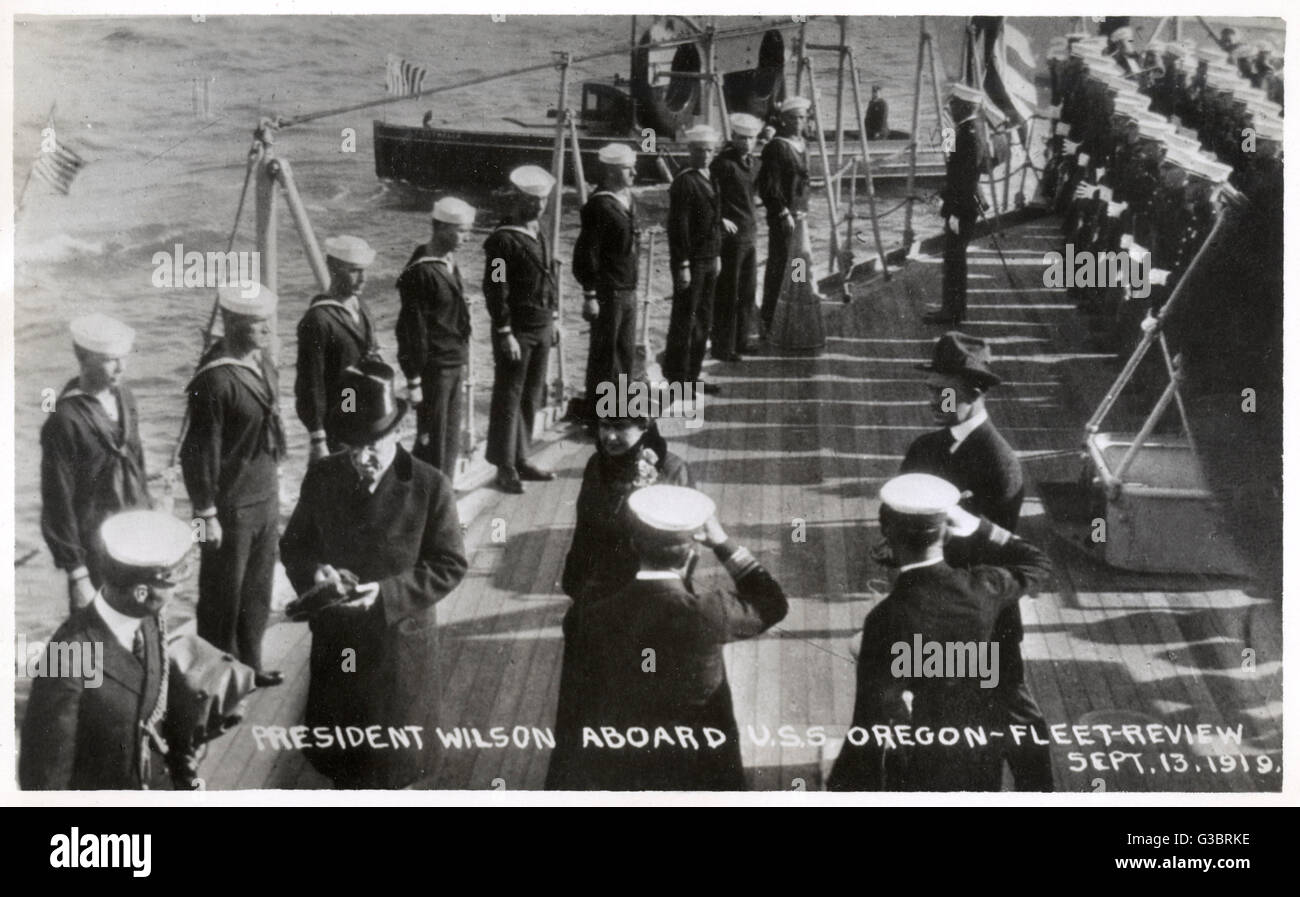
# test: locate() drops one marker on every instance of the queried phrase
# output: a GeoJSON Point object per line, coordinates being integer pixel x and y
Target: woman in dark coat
{"type": "Point", "coordinates": [630, 454]}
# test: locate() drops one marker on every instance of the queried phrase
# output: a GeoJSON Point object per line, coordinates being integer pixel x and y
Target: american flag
{"type": "Point", "coordinates": [404, 78]}
{"type": "Point", "coordinates": [58, 165]}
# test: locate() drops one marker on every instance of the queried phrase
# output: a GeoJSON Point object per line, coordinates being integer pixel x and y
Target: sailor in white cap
{"type": "Point", "coordinates": [962, 204]}
{"type": "Point", "coordinates": [783, 186]}
{"type": "Point", "coordinates": [734, 171]}
{"type": "Point", "coordinates": [92, 463]}
{"type": "Point", "coordinates": [433, 329]}
{"type": "Point", "coordinates": [694, 248]}
{"type": "Point", "coordinates": [934, 603]}
{"type": "Point", "coordinates": [663, 619]}
{"type": "Point", "coordinates": [101, 727]}
{"type": "Point", "coordinates": [519, 288]}
{"type": "Point", "coordinates": [334, 334]}
{"type": "Point", "coordinates": [605, 263]}
{"type": "Point", "coordinates": [230, 460]}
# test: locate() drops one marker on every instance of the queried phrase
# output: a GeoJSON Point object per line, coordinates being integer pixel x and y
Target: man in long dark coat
{"type": "Point", "coordinates": [971, 454]}
{"type": "Point", "coordinates": [733, 306]}
{"type": "Point", "coordinates": [230, 462]}
{"type": "Point", "coordinates": [104, 728]}
{"type": "Point", "coordinates": [379, 528]}
{"type": "Point", "coordinates": [650, 656]}
{"type": "Point", "coordinates": [92, 463]}
{"type": "Point", "coordinates": [694, 247]}
{"type": "Point", "coordinates": [519, 289]}
{"type": "Point", "coordinates": [335, 333]}
{"type": "Point", "coordinates": [936, 603]}
{"type": "Point", "coordinates": [605, 263]}
{"type": "Point", "coordinates": [783, 186]}
{"type": "Point", "coordinates": [433, 330]}
{"type": "Point", "coordinates": [961, 201]}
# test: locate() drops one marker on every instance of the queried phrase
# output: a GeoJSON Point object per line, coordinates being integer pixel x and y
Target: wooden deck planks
{"type": "Point", "coordinates": [814, 438]}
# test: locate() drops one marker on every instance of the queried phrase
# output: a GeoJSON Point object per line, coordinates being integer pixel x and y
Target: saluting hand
{"type": "Point", "coordinates": [83, 592]}
{"type": "Point", "coordinates": [713, 534]}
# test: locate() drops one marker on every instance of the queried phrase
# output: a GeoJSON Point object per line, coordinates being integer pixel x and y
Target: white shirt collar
{"type": "Point", "coordinates": [379, 475]}
{"type": "Point", "coordinates": [658, 574]}
{"type": "Point", "coordinates": [122, 626]}
{"type": "Point", "coordinates": [966, 427]}
{"type": "Point", "coordinates": [929, 563]}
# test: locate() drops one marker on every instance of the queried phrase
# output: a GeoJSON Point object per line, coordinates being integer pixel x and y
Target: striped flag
{"type": "Point", "coordinates": [404, 78]}
{"type": "Point", "coordinates": [1008, 78]}
{"type": "Point", "coordinates": [57, 166]}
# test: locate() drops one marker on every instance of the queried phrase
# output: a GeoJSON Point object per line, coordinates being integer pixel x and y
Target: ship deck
{"type": "Point", "coordinates": [811, 439]}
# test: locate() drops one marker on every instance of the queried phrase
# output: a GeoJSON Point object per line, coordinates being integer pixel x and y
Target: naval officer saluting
{"type": "Point", "coordinates": [520, 292]}
{"type": "Point", "coordinates": [335, 333]}
{"type": "Point", "coordinates": [230, 462]}
{"type": "Point", "coordinates": [662, 615]}
{"type": "Point", "coordinates": [934, 602]}
{"type": "Point", "coordinates": [433, 329]}
{"type": "Point", "coordinates": [92, 463]}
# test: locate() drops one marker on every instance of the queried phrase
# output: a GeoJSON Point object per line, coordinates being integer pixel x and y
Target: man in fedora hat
{"type": "Point", "coordinates": [733, 171]}
{"type": "Point", "coordinates": [92, 463]}
{"type": "Point", "coordinates": [230, 462]}
{"type": "Point", "coordinates": [663, 620]}
{"type": "Point", "coordinates": [783, 186]}
{"type": "Point", "coordinates": [694, 244]}
{"type": "Point", "coordinates": [971, 454]}
{"type": "Point", "coordinates": [519, 287]}
{"type": "Point", "coordinates": [933, 601]}
{"type": "Point", "coordinates": [83, 734]}
{"type": "Point", "coordinates": [379, 527]}
{"type": "Point", "coordinates": [962, 204]}
{"type": "Point", "coordinates": [433, 329]}
{"type": "Point", "coordinates": [335, 332]}
{"type": "Point", "coordinates": [605, 263]}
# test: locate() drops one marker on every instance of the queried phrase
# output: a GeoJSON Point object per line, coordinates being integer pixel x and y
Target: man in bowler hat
{"type": "Point", "coordinates": [379, 528]}
{"type": "Point", "coordinates": [969, 452]}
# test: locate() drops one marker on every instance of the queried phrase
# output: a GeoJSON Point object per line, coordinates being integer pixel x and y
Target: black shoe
{"type": "Point", "coordinates": [710, 389]}
{"type": "Point", "coordinates": [268, 678]}
{"type": "Point", "coordinates": [534, 474]}
{"type": "Point", "coordinates": [508, 481]}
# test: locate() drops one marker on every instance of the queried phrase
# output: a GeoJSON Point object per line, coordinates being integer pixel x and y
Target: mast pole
{"type": "Point", "coordinates": [908, 234]}
{"type": "Point", "coordinates": [839, 95]}
{"type": "Point", "coordinates": [564, 60]}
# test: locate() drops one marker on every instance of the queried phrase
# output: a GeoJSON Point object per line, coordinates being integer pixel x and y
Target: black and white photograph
{"type": "Point", "coordinates": [577, 403]}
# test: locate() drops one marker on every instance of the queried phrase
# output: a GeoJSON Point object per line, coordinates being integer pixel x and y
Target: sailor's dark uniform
{"type": "Point", "coordinates": [783, 186]}
{"type": "Point", "coordinates": [605, 262]}
{"type": "Point", "coordinates": [961, 201]}
{"type": "Point", "coordinates": [519, 289]}
{"type": "Point", "coordinates": [433, 329]}
{"type": "Point", "coordinates": [733, 302]}
{"type": "Point", "coordinates": [91, 468]}
{"type": "Point", "coordinates": [694, 241]}
{"type": "Point", "coordinates": [229, 461]}
{"type": "Point", "coordinates": [331, 338]}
